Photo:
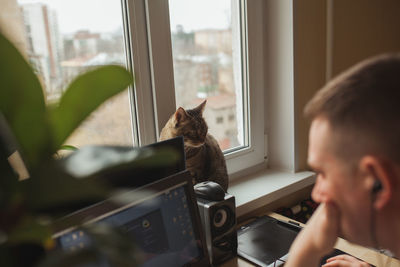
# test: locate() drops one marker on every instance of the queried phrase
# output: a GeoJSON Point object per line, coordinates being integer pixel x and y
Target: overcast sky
{"type": "Point", "coordinates": [105, 15]}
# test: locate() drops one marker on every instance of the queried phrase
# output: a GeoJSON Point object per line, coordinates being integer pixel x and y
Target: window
{"type": "Point", "coordinates": [64, 38]}
{"type": "Point", "coordinates": [169, 29]}
{"type": "Point", "coordinates": [177, 56]}
{"type": "Point", "coordinates": [207, 63]}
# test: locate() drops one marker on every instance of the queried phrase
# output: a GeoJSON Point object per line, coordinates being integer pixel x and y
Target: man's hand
{"type": "Point", "coordinates": [345, 261]}
{"type": "Point", "coordinates": [317, 238]}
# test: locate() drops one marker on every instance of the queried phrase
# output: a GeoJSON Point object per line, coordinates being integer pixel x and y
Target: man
{"type": "Point", "coordinates": [354, 147]}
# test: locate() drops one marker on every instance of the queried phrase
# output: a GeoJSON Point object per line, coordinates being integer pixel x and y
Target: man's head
{"type": "Point", "coordinates": [355, 141]}
{"type": "Point", "coordinates": [363, 105]}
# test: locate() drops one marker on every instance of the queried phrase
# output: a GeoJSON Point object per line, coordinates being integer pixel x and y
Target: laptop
{"type": "Point", "coordinates": [164, 223]}
{"type": "Point", "coordinates": [266, 242]}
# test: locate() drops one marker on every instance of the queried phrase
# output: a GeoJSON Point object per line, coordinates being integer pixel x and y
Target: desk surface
{"type": "Point", "coordinates": [363, 253]}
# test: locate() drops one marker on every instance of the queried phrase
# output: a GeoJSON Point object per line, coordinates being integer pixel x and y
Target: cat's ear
{"type": "Point", "coordinates": [200, 108]}
{"type": "Point", "coordinates": [180, 115]}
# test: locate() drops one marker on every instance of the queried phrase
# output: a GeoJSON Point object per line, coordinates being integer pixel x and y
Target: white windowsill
{"type": "Point", "coordinates": [259, 189]}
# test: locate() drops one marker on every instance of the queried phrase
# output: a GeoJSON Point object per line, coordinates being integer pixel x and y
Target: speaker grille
{"type": "Point", "coordinates": [222, 219]}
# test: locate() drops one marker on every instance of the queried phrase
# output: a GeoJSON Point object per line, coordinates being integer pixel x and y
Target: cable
{"type": "Point", "coordinates": [374, 239]}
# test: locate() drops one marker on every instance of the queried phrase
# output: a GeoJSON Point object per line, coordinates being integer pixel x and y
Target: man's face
{"type": "Point", "coordinates": [338, 183]}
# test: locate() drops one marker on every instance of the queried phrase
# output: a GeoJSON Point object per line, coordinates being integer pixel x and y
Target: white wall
{"type": "Point", "coordinates": [279, 125]}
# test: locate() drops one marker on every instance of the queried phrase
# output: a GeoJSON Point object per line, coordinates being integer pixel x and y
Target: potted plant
{"type": "Point", "coordinates": [28, 208]}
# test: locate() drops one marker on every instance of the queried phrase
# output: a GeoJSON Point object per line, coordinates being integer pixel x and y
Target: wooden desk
{"type": "Point", "coordinates": [365, 254]}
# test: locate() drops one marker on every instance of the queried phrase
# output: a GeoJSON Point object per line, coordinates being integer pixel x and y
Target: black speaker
{"type": "Point", "coordinates": [219, 223]}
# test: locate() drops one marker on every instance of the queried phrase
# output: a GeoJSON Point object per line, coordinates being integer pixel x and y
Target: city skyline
{"type": "Point", "coordinates": [108, 18]}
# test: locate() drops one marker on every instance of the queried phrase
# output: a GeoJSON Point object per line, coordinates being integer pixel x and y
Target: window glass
{"type": "Point", "coordinates": [65, 38]}
{"type": "Point", "coordinates": [206, 48]}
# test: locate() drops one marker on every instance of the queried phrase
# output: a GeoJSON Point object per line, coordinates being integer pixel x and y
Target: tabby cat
{"type": "Point", "coordinates": [204, 158]}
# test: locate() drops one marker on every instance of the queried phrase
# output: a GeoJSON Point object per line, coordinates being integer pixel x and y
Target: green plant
{"type": "Point", "coordinates": [27, 208]}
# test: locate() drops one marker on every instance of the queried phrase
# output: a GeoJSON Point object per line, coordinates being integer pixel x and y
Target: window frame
{"type": "Point", "coordinates": [153, 97]}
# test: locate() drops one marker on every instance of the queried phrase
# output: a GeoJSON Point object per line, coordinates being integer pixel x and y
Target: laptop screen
{"type": "Point", "coordinates": [164, 225]}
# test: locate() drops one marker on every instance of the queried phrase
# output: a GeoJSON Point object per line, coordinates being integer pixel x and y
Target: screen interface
{"type": "Point", "coordinates": [161, 227]}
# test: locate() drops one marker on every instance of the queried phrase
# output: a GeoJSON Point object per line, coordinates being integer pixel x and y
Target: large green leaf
{"type": "Point", "coordinates": [83, 96]}
{"type": "Point", "coordinates": [30, 230]}
{"type": "Point", "coordinates": [22, 103]}
{"type": "Point", "coordinates": [122, 166]}
{"type": "Point", "coordinates": [56, 193]}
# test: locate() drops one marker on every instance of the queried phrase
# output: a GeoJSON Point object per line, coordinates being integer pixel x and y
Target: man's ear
{"type": "Point", "coordinates": [379, 179]}
{"type": "Point", "coordinates": [180, 115]}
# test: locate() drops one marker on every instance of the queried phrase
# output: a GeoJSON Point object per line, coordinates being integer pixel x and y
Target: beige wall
{"type": "Point", "coordinates": [362, 28]}
{"type": "Point", "coordinates": [309, 29]}
{"type": "Point", "coordinates": [329, 37]}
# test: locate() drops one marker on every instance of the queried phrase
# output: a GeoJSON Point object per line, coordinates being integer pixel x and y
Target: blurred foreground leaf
{"type": "Point", "coordinates": [83, 96]}
{"type": "Point", "coordinates": [68, 147]}
{"type": "Point", "coordinates": [55, 192]}
{"type": "Point", "coordinates": [119, 167]}
{"type": "Point", "coordinates": [22, 103]}
{"type": "Point", "coordinates": [30, 230]}
{"type": "Point", "coordinates": [108, 245]}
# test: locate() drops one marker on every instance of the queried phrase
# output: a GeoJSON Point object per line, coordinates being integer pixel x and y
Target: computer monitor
{"type": "Point", "coordinates": [165, 224]}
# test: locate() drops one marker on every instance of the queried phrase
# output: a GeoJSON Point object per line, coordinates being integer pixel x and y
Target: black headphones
{"type": "Point", "coordinates": [377, 187]}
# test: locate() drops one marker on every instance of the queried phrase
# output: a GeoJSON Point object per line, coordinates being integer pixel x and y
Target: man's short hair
{"type": "Point", "coordinates": [362, 106]}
